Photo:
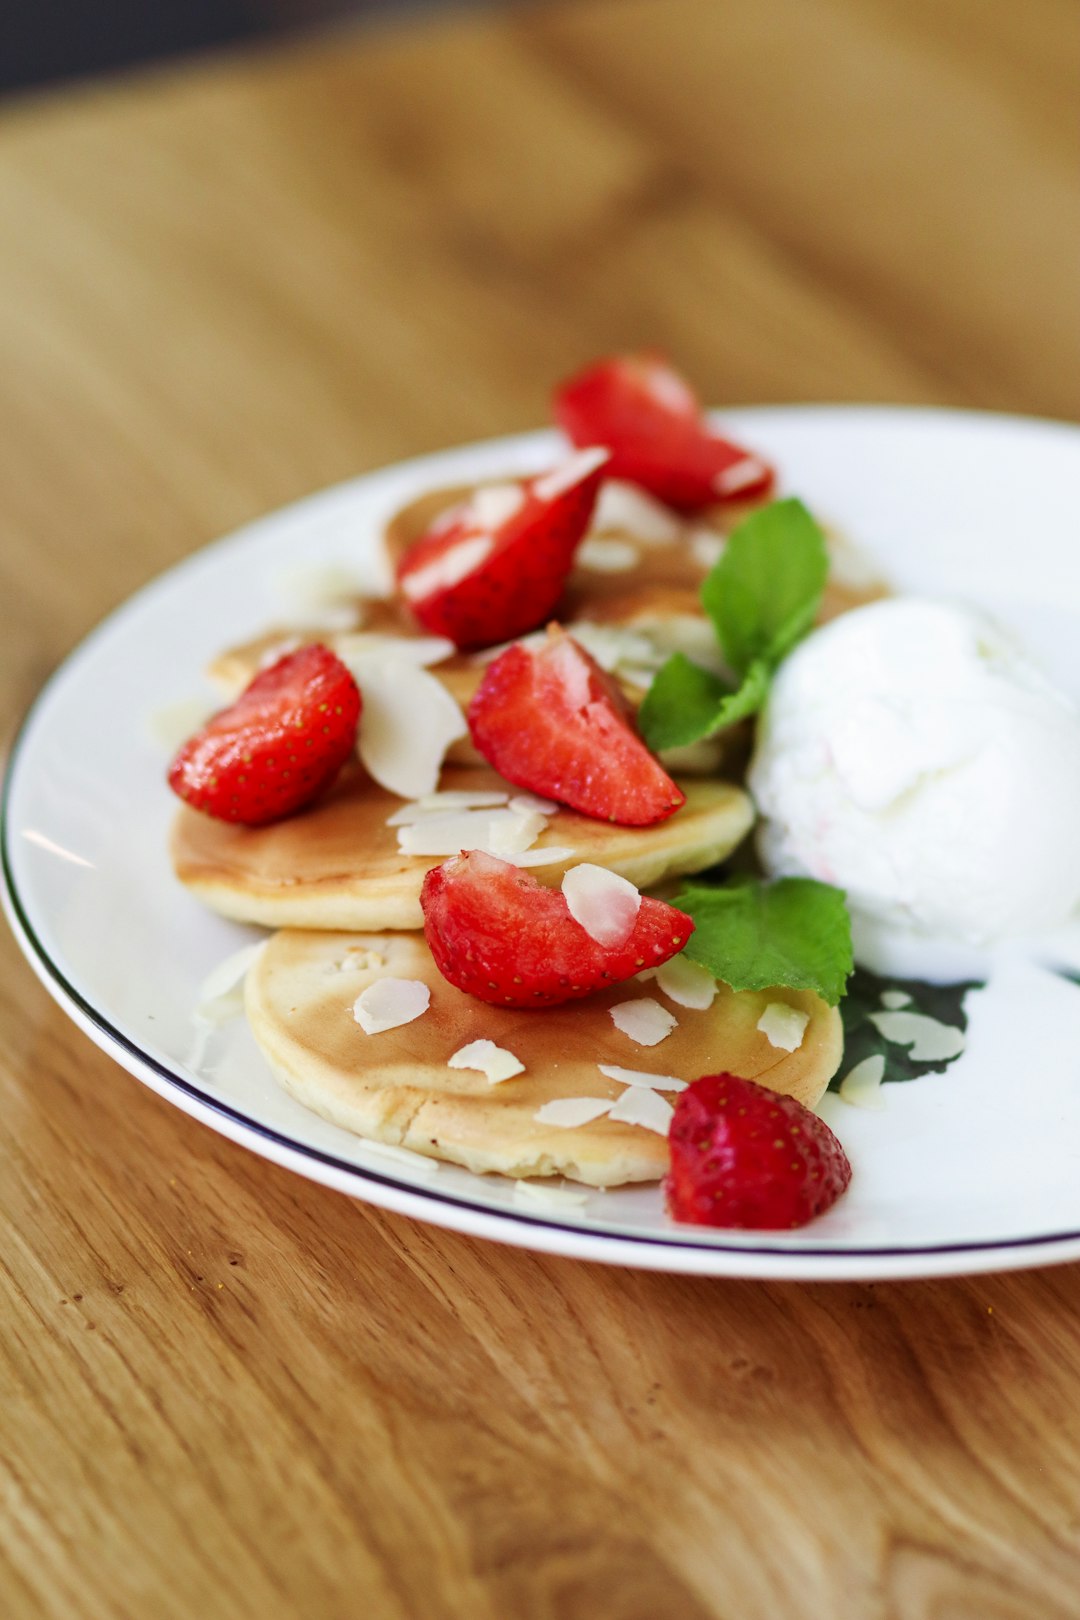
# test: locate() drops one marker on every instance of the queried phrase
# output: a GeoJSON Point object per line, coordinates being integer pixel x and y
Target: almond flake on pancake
{"type": "Point", "coordinates": [706, 547]}
{"type": "Point", "coordinates": [686, 983]}
{"type": "Point", "coordinates": [359, 959]}
{"type": "Point", "coordinates": [422, 650]}
{"type": "Point", "coordinates": [495, 1063]}
{"type": "Point", "coordinates": [535, 1192]}
{"type": "Point", "coordinates": [389, 1003]}
{"type": "Point", "coordinates": [440, 803]}
{"type": "Point", "coordinates": [645, 1108]}
{"type": "Point", "coordinates": [641, 1078]}
{"type": "Point", "coordinates": [603, 903]}
{"type": "Point", "coordinates": [573, 471]}
{"type": "Point", "coordinates": [335, 620]}
{"type": "Point", "coordinates": [604, 555]}
{"type": "Point", "coordinates": [547, 855]}
{"type": "Point", "coordinates": [569, 1112]}
{"type": "Point", "coordinates": [644, 1021]}
{"type": "Point", "coordinates": [499, 832]}
{"type": "Point", "coordinates": [783, 1026]}
{"type": "Point", "coordinates": [622, 508]}
{"type": "Point", "coordinates": [279, 649]}
{"type": "Point", "coordinates": [861, 1086]}
{"type": "Point", "coordinates": [492, 505]}
{"type": "Point", "coordinates": [408, 722]}
{"type": "Point", "coordinates": [309, 587]}
{"type": "Point", "coordinates": [488, 655]}
{"type": "Point", "coordinates": [526, 802]}
{"type": "Point", "coordinates": [220, 995]}
{"type": "Point", "coordinates": [612, 646]}
{"type": "Point", "coordinates": [450, 568]}
{"type": "Point", "coordinates": [739, 475]}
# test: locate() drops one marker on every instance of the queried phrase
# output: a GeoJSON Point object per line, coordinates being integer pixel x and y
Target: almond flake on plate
{"type": "Point", "coordinates": [928, 1039]}
{"type": "Point", "coordinates": [783, 1026]}
{"type": "Point", "coordinates": [389, 1003]}
{"type": "Point", "coordinates": [893, 1000]}
{"type": "Point", "coordinates": [861, 1086]}
{"type": "Point", "coordinates": [686, 983]}
{"type": "Point", "coordinates": [569, 1112]}
{"type": "Point", "coordinates": [641, 1078]}
{"type": "Point", "coordinates": [622, 508]}
{"type": "Point", "coordinates": [645, 1108]}
{"type": "Point", "coordinates": [172, 724]}
{"type": "Point", "coordinates": [570, 472]}
{"type": "Point", "coordinates": [606, 556]}
{"type": "Point", "coordinates": [644, 1021]}
{"type": "Point", "coordinates": [407, 723]}
{"type": "Point", "coordinates": [603, 903]}
{"type": "Point", "coordinates": [420, 1162]}
{"type": "Point", "coordinates": [535, 1192]}
{"type": "Point", "coordinates": [495, 1063]}
{"type": "Point", "coordinates": [220, 996]}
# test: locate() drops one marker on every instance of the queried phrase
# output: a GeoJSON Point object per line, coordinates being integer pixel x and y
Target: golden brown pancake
{"type": "Point", "coordinates": [338, 865]}
{"type": "Point", "coordinates": [396, 1088]}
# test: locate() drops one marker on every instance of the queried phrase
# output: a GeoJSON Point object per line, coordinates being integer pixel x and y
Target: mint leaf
{"type": "Point", "coordinates": [862, 1038]}
{"type": "Point", "coordinates": [685, 702]}
{"type": "Point", "coordinates": [763, 593]}
{"type": "Point", "coordinates": [794, 933]}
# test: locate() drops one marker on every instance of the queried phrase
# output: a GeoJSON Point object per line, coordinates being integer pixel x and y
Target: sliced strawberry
{"type": "Point", "coordinates": [549, 719]}
{"type": "Point", "coordinates": [742, 1155]}
{"type": "Point", "coordinates": [480, 582]}
{"type": "Point", "coordinates": [498, 934]}
{"type": "Point", "coordinates": [658, 436]}
{"type": "Point", "coordinates": [282, 742]}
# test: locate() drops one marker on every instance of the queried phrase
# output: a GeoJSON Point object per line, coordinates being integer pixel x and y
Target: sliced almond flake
{"type": "Point", "coordinates": [358, 959]}
{"type": "Point", "coordinates": [524, 803]}
{"type": "Point", "coordinates": [549, 855]}
{"type": "Point", "coordinates": [637, 675]}
{"type": "Point", "coordinates": [407, 723]}
{"type": "Point", "coordinates": [622, 508]}
{"type": "Point", "coordinates": [535, 1192]}
{"type": "Point", "coordinates": [448, 569]}
{"type": "Point", "coordinates": [389, 1003]}
{"type": "Point", "coordinates": [861, 1086]}
{"type": "Point", "coordinates": [739, 475]}
{"type": "Point", "coordinates": [425, 651]}
{"type": "Point", "coordinates": [495, 1063]}
{"type": "Point", "coordinates": [686, 983]}
{"type": "Point", "coordinates": [569, 1112]}
{"type": "Point", "coordinates": [645, 1108]}
{"type": "Point", "coordinates": [603, 903]}
{"type": "Point", "coordinates": [613, 647]}
{"type": "Point", "coordinates": [279, 649]}
{"type": "Point", "coordinates": [488, 655]}
{"type": "Point", "coordinates": [309, 587]}
{"type": "Point", "coordinates": [420, 1162]}
{"type": "Point", "coordinates": [893, 1000]}
{"type": "Point", "coordinates": [783, 1026]}
{"type": "Point", "coordinates": [644, 1021]}
{"type": "Point", "coordinates": [327, 621]}
{"type": "Point", "coordinates": [492, 505]}
{"type": "Point", "coordinates": [218, 995]}
{"type": "Point", "coordinates": [570, 472]}
{"type": "Point", "coordinates": [604, 555]}
{"type": "Point", "coordinates": [440, 803]}
{"type": "Point", "coordinates": [499, 832]}
{"type": "Point", "coordinates": [929, 1040]}
{"type": "Point", "coordinates": [641, 1078]}
{"type": "Point", "coordinates": [172, 724]}
{"type": "Point", "coordinates": [707, 548]}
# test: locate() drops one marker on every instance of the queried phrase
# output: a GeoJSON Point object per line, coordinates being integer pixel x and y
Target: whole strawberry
{"type": "Point", "coordinates": [279, 745]}
{"type": "Point", "coordinates": [742, 1155]}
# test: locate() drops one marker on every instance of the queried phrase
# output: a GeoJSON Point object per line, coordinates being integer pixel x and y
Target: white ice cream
{"type": "Point", "coordinates": [912, 755]}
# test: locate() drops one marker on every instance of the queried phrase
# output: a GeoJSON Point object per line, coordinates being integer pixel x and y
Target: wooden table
{"type": "Point", "coordinates": [227, 1392]}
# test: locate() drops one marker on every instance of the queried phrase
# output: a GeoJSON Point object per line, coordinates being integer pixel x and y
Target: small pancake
{"type": "Point", "coordinates": [396, 1088]}
{"type": "Point", "coordinates": [338, 865]}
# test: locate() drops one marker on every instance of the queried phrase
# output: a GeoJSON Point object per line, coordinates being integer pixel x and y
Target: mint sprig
{"type": "Point", "coordinates": [793, 932]}
{"type": "Point", "coordinates": [762, 597]}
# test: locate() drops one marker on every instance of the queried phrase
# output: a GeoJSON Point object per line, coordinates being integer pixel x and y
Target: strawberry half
{"type": "Point", "coordinates": [742, 1155]}
{"type": "Point", "coordinates": [549, 719]}
{"type": "Point", "coordinates": [279, 745]}
{"type": "Point", "coordinates": [498, 934]}
{"type": "Point", "coordinates": [657, 433]}
{"type": "Point", "coordinates": [480, 582]}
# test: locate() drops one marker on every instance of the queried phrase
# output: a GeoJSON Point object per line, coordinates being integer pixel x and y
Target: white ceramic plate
{"type": "Point", "coordinates": [974, 1169]}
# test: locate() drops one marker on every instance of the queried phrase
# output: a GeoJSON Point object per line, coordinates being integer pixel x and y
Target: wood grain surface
{"type": "Point", "coordinates": [226, 1392]}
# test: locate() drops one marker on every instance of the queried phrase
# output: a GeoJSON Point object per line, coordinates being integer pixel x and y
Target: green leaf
{"type": "Point", "coordinates": [685, 702]}
{"type": "Point", "coordinates": [763, 593]}
{"type": "Point", "coordinates": [944, 1003]}
{"type": "Point", "coordinates": [794, 932]}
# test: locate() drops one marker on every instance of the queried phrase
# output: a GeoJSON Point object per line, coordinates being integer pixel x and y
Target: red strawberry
{"type": "Point", "coordinates": [742, 1155]}
{"type": "Point", "coordinates": [656, 431]}
{"type": "Point", "coordinates": [282, 741]}
{"type": "Point", "coordinates": [498, 934]}
{"type": "Point", "coordinates": [481, 582]}
{"type": "Point", "coordinates": [550, 720]}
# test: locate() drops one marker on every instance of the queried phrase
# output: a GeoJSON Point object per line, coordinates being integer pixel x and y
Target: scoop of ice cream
{"type": "Point", "coordinates": [911, 754]}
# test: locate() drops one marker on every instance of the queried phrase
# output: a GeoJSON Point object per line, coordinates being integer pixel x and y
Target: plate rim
{"type": "Point", "coordinates": [518, 1228]}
